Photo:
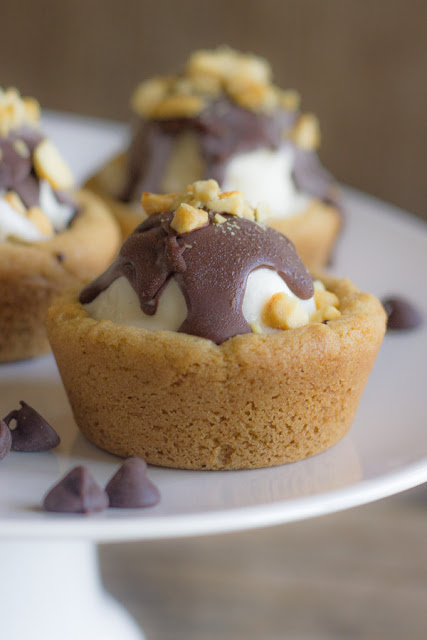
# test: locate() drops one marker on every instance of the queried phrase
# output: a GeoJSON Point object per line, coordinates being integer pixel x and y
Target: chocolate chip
{"type": "Point", "coordinates": [5, 439]}
{"type": "Point", "coordinates": [401, 314]}
{"type": "Point", "coordinates": [60, 257]}
{"type": "Point", "coordinates": [77, 492]}
{"type": "Point", "coordinates": [32, 432]}
{"type": "Point", "coordinates": [130, 488]}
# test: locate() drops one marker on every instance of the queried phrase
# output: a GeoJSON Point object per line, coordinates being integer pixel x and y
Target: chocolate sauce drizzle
{"type": "Point", "coordinates": [223, 130]}
{"type": "Point", "coordinates": [17, 172]}
{"type": "Point", "coordinates": [210, 265]}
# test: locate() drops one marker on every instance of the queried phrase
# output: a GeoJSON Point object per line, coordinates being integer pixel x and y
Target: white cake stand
{"type": "Point", "coordinates": [50, 586]}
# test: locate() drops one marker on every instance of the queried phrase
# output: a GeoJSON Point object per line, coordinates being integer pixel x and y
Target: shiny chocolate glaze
{"type": "Point", "coordinates": [210, 265]}
{"type": "Point", "coordinates": [223, 130]}
{"type": "Point", "coordinates": [17, 172]}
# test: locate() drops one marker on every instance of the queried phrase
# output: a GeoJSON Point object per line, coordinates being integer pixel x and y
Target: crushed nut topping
{"type": "Point", "coordinates": [50, 166]}
{"type": "Point", "coordinates": [187, 218]}
{"type": "Point", "coordinates": [21, 148]}
{"type": "Point", "coordinates": [207, 194]}
{"type": "Point", "coordinates": [245, 78]}
{"type": "Point", "coordinates": [284, 312]}
{"type": "Point", "coordinates": [327, 304]}
{"type": "Point", "coordinates": [306, 132]}
{"type": "Point", "coordinates": [15, 201]}
{"type": "Point", "coordinates": [16, 112]}
{"type": "Point", "coordinates": [41, 221]}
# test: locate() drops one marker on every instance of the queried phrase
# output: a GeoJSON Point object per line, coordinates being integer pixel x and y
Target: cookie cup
{"type": "Point", "coordinates": [184, 402]}
{"type": "Point", "coordinates": [107, 184]}
{"type": "Point", "coordinates": [313, 232]}
{"type": "Point", "coordinates": [32, 273]}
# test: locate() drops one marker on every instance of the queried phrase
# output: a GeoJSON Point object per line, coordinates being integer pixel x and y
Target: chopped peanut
{"type": "Point", "coordinates": [148, 95]}
{"type": "Point", "coordinates": [284, 312]}
{"type": "Point", "coordinates": [228, 202]}
{"type": "Point", "coordinates": [219, 219]}
{"type": "Point", "coordinates": [21, 148]}
{"type": "Point", "coordinates": [256, 327]}
{"type": "Point", "coordinates": [50, 166]}
{"type": "Point", "coordinates": [178, 106]}
{"type": "Point", "coordinates": [15, 201]}
{"type": "Point", "coordinates": [289, 99]}
{"type": "Point", "coordinates": [158, 203]}
{"type": "Point", "coordinates": [40, 220]}
{"type": "Point", "coordinates": [306, 133]}
{"type": "Point", "coordinates": [263, 212]}
{"type": "Point", "coordinates": [188, 218]}
{"type": "Point", "coordinates": [204, 190]}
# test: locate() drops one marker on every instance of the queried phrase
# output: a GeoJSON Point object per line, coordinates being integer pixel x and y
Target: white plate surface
{"type": "Point", "coordinates": [384, 251]}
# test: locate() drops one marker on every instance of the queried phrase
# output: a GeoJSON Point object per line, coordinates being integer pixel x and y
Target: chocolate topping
{"type": "Point", "coordinates": [401, 314]}
{"type": "Point", "coordinates": [312, 178]}
{"type": "Point", "coordinates": [32, 432]}
{"type": "Point", "coordinates": [77, 492]}
{"type": "Point", "coordinates": [17, 171]}
{"type": "Point", "coordinates": [223, 129]}
{"type": "Point", "coordinates": [5, 439]}
{"type": "Point", "coordinates": [211, 266]}
{"type": "Point", "coordinates": [130, 488]}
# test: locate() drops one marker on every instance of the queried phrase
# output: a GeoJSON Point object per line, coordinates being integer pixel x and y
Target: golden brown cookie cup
{"type": "Point", "coordinates": [184, 402]}
{"type": "Point", "coordinates": [32, 273]}
{"type": "Point", "coordinates": [106, 184]}
{"type": "Point", "coordinates": [313, 232]}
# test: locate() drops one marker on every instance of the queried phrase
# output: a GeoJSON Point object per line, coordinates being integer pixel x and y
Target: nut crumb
{"type": "Point", "coordinates": [306, 133]}
{"type": "Point", "coordinates": [178, 106]}
{"type": "Point", "coordinates": [41, 221]}
{"type": "Point", "coordinates": [157, 202]}
{"type": "Point", "coordinates": [15, 201]}
{"type": "Point", "coordinates": [231, 202]}
{"type": "Point", "coordinates": [282, 311]}
{"type": "Point", "coordinates": [21, 148]}
{"type": "Point", "coordinates": [50, 166]}
{"type": "Point", "coordinates": [256, 327]}
{"type": "Point", "coordinates": [263, 211]}
{"type": "Point", "coordinates": [188, 218]}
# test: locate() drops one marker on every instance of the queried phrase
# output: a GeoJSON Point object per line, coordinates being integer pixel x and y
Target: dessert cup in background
{"type": "Point", "coordinates": [50, 236]}
{"type": "Point", "coordinates": [207, 345]}
{"type": "Point", "coordinates": [222, 118]}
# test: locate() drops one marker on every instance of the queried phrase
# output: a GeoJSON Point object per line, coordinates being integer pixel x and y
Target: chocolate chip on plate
{"type": "Point", "coordinates": [5, 439]}
{"type": "Point", "coordinates": [32, 432]}
{"type": "Point", "coordinates": [130, 488]}
{"type": "Point", "coordinates": [77, 492]}
{"type": "Point", "coordinates": [401, 314]}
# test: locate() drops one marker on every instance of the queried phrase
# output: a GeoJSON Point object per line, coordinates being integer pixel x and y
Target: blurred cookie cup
{"type": "Point", "coordinates": [50, 235]}
{"type": "Point", "coordinates": [223, 118]}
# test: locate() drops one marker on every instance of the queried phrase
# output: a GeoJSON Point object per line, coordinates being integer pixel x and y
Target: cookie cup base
{"type": "Point", "coordinates": [181, 401]}
{"type": "Point", "coordinates": [32, 273]}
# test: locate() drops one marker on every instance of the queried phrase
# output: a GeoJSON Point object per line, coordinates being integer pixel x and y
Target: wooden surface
{"type": "Point", "coordinates": [360, 66]}
{"type": "Point", "coordinates": [356, 575]}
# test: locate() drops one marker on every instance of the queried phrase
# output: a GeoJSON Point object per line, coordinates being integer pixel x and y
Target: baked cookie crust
{"type": "Point", "coordinates": [184, 402]}
{"type": "Point", "coordinates": [32, 273]}
{"type": "Point", "coordinates": [107, 184]}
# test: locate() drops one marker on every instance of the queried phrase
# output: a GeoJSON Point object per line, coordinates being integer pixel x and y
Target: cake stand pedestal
{"type": "Point", "coordinates": [52, 589]}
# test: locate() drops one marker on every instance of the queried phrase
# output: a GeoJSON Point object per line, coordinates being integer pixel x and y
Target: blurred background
{"type": "Point", "coordinates": [361, 67]}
